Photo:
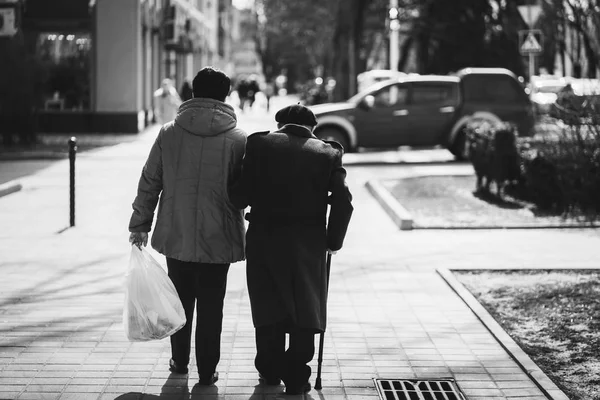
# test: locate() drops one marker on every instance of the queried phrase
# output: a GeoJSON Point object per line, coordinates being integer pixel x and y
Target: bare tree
{"type": "Point", "coordinates": [582, 17]}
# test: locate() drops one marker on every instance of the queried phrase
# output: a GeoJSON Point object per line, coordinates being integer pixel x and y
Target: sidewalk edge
{"type": "Point", "coordinates": [401, 217]}
{"type": "Point", "coordinates": [10, 187]}
{"type": "Point", "coordinates": [528, 366]}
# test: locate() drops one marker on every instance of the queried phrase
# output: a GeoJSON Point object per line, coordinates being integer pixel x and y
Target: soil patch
{"type": "Point", "coordinates": [451, 202]}
{"type": "Point", "coordinates": [553, 315]}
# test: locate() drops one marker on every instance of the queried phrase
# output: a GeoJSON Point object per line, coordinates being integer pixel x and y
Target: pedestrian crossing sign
{"type": "Point", "coordinates": [530, 41]}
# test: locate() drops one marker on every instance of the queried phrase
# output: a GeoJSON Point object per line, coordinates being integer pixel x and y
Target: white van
{"type": "Point", "coordinates": [367, 78]}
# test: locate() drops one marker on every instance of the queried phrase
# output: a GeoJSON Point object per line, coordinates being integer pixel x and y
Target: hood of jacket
{"type": "Point", "coordinates": [205, 117]}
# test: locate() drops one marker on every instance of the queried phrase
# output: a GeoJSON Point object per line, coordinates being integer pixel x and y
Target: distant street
{"type": "Point", "coordinates": [251, 120]}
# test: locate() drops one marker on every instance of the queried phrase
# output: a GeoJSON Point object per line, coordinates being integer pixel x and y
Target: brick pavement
{"type": "Point", "coordinates": [391, 315]}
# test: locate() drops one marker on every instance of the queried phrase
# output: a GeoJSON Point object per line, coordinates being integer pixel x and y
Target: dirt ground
{"type": "Point", "coordinates": [553, 315]}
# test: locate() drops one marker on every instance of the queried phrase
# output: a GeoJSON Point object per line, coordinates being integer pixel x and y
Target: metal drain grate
{"type": "Point", "coordinates": [418, 389]}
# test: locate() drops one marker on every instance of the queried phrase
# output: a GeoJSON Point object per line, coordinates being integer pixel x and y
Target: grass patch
{"type": "Point", "coordinates": [450, 202]}
{"type": "Point", "coordinates": [553, 315]}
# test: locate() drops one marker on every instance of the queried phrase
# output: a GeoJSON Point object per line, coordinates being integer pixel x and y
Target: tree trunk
{"type": "Point", "coordinates": [592, 57]}
{"type": "Point", "coordinates": [347, 42]}
{"type": "Point", "coordinates": [405, 53]}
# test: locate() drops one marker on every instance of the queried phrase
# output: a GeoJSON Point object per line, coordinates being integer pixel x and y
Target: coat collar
{"type": "Point", "coordinates": [297, 130]}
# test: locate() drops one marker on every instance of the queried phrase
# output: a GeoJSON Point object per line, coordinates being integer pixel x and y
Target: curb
{"type": "Point", "coordinates": [10, 187]}
{"type": "Point", "coordinates": [512, 348]}
{"type": "Point", "coordinates": [394, 209]}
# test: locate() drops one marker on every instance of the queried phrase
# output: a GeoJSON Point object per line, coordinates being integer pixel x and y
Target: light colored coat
{"type": "Point", "coordinates": [190, 166]}
{"type": "Point", "coordinates": [167, 102]}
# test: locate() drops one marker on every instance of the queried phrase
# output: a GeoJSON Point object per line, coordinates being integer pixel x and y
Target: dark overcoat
{"type": "Point", "coordinates": [288, 179]}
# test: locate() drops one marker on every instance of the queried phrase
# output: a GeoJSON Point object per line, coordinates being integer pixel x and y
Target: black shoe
{"type": "Point", "coordinates": [269, 381]}
{"type": "Point", "coordinates": [209, 380]}
{"type": "Point", "coordinates": [298, 390]}
{"type": "Point", "coordinates": [178, 369]}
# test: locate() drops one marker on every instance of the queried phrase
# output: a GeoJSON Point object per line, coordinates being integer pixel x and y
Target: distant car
{"type": "Point", "coordinates": [426, 110]}
{"type": "Point", "coordinates": [544, 92]}
{"type": "Point", "coordinates": [577, 101]}
{"type": "Point", "coordinates": [368, 78]}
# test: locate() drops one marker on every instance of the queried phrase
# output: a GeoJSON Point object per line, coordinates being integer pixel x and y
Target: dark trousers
{"type": "Point", "coordinates": [202, 285]}
{"type": "Point", "coordinates": [274, 361]}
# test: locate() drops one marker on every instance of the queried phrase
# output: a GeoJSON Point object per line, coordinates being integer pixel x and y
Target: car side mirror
{"type": "Point", "coordinates": [367, 102]}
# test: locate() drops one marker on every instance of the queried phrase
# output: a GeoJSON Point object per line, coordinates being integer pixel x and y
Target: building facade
{"type": "Point", "coordinates": [100, 61]}
{"type": "Point", "coordinates": [246, 60]}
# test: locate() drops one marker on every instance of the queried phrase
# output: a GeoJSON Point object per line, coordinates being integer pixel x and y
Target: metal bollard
{"type": "Point", "coordinates": [72, 152]}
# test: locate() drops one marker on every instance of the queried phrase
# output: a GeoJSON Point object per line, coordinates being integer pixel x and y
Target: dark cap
{"type": "Point", "coordinates": [296, 114]}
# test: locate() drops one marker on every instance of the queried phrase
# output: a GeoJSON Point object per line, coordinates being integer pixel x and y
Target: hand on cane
{"type": "Point", "coordinates": [332, 252]}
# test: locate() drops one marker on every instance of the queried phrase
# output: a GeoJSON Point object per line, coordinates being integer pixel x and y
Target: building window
{"type": "Point", "coordinates": [65, 59]}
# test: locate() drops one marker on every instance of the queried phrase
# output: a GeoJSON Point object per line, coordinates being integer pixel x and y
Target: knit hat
{"type": "Point", "coordinates": [296, 114]}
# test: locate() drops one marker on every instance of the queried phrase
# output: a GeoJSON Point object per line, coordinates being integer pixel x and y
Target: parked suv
{"type": "Point", "coordinates": [426, 110]}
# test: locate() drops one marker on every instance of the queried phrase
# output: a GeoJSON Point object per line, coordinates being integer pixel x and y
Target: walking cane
{"type": "Point", "coordinates": [318, 385]}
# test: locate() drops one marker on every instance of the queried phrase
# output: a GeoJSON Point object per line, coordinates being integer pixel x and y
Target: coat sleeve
{"type": "Point", "coordinates": [149, 188]}
{"type": "Point", "coordinates": [240, 192]}
{"type": "Point", "coordinates": [235, 174]}
{"type": "Point", "coordinates": [341, 205]}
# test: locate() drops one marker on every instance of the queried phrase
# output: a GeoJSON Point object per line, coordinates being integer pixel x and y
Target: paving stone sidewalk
{"type": "Point", "coordinates": [390, 314]}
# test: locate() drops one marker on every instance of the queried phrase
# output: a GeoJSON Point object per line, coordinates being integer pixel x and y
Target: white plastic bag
{"type": "Point", "coordinates": [152, 308]}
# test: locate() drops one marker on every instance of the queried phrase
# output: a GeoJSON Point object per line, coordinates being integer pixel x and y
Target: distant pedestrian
{"type": "Point", "coordinates": [166, 102]}
{"type": "Point", "coordinates": [269, 92]}
{"type": "Point", "coordinates": [242, 90]}
{"type": "Point", "coordinates": [193, 160]}
{"type": "Point", "coordinates": [286, 177]}
{"type": "Point", "coordinates": [186, 91]}
{"type": "Point", "coordinates": [253, 90]}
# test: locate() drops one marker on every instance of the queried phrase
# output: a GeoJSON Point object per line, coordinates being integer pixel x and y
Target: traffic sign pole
{"type": "Point", "coordinates": [531, 65]}
{"type": "Point", "coordinates": [530, 45]}
{"type": "Point", "coordinates": [531, 57]}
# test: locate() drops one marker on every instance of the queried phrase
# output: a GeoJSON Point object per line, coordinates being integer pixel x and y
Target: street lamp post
{"type": "Point", "coordinates": [394, 35]}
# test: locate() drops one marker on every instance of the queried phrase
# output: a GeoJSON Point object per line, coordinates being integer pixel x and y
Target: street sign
{"type": "Point", "coordinates": [8, 25]}
{"type": "Point", "coordinates": [530, 13]}
{"type": "Point", "coordinates": [530, 41]}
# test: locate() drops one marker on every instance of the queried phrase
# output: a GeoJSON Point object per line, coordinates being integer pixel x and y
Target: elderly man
{"type": "Point", "coordinates": [286, 179]}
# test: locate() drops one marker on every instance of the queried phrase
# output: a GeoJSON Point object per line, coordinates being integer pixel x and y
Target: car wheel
{"type": "Point", "coordinates": [459, 146]}
{"type": "Point", "coordinates": [335, 135]}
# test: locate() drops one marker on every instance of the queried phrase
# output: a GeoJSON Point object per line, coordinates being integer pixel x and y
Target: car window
{"type": "Point", "coordinates": [430, 93]}
{"type": "Point", "coordinates": [549, 89]}
{"type": "Point", "coordinates": [391, 96]}
{"type": "Point", "coordinates": [491, 88]}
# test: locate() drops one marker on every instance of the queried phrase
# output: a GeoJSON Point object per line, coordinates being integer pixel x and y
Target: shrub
{"type": "Point", "coordinates": [563, 171]}
{"type": "Point", "coordinates": [559, 173]}
{"type": "Point", "coordinates": [492, 149]}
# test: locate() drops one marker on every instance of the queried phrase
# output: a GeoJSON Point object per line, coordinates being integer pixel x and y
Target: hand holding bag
{"type": "Point", "coordinates": [152, 308]}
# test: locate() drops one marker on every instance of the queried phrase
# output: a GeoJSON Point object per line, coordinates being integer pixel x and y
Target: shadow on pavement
{"type": "Point", "coordinates": [493, 199]}
{"type": "Point", "coordinates": [175, 387]}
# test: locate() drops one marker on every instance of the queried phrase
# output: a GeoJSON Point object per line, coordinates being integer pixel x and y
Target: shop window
{"type": "Point", "coordinates": [65, 59]}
